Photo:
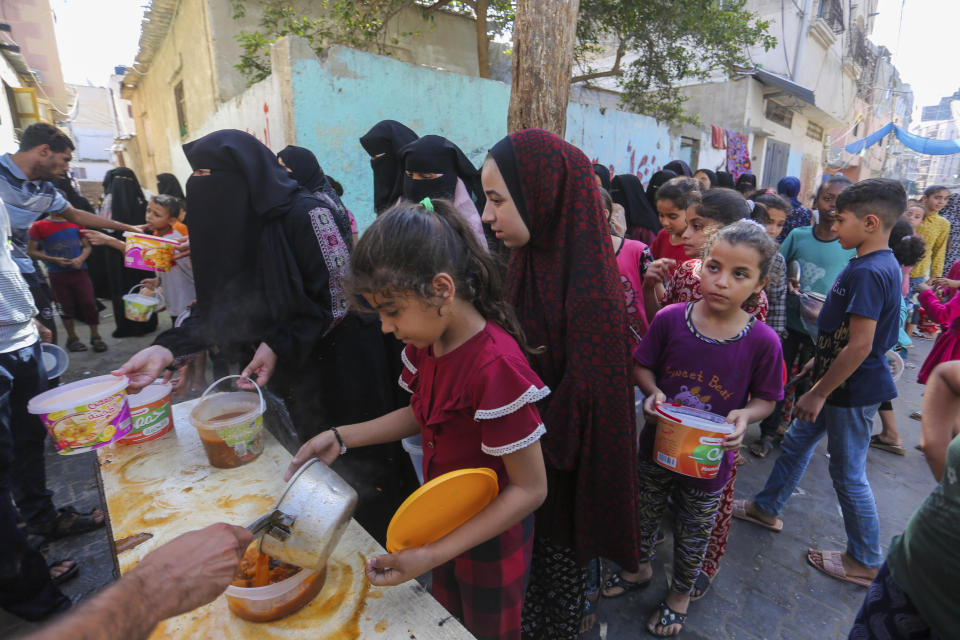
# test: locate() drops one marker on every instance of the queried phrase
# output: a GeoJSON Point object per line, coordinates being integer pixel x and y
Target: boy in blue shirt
{"type": "Point", "coordinates": [857, 325]}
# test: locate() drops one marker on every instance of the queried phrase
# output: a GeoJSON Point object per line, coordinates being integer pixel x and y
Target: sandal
{"type": "Point", "coordinates": [831, 563]}
{"type": "Point", "coordinates": [740, 512]}
{"type": "Point", "coordinates": [666, 617]}
{"type": "Point", "coordinates": [74, 344]}
{"type": "Point", "coordinates": [616, 581]}
{"type": "Point", "coordinates": [68, 522]}
{"type": "Point", "coordinates": [701, 584]}
{"type": "Point", "coordinates": [69, 574]}
{"type": "Point", "coordinates": [589, 619]}
{"type": "Point", "coordinates": [762, 446]}
{"type": "Point", "coordinates": [98, 345]}
{"type": "Point", "coordinates": [877, 443]}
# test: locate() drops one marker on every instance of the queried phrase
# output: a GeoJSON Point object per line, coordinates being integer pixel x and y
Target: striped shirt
{"type": "Point", "coordinates": [26, 200]}
{"type": "Point", "coordinates": [17, 310]}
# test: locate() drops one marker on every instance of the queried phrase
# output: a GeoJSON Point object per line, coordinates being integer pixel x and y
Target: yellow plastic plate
{"type": "Point", "coordinates": [440, 506]}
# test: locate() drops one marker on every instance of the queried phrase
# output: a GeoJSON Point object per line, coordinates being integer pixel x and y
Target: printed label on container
{"type": "Point", "coordinates": [242, 437]}
{"type": "Point", "coordinates": [89, 426]}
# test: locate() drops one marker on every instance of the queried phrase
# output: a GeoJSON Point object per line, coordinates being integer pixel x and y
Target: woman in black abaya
{"type": "Point", "coordinates": [269, 261]}
{"type": "Point", "coordinates": [383, 142]}
{"type": "Point", "coordinates": [642, 221]}
{"type": "Point", "coordinates": [168, 185]}
{"type": "Point", "coordinates": [127, 204]}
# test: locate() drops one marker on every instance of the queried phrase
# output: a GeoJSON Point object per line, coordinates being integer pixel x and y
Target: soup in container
{"type": "Point", "coordinates": [690, 441]}
{"type": "Point", "coordinates": [84, 415]}
{"type": "Point", "coordinates": [230, 424]}
{"type": "Point", "coordinates": [150, 413]}
{"type": "Point", "coordinates": [150, 253]}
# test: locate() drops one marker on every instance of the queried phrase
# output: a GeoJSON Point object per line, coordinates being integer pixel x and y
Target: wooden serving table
{"type": "Point", "coordinates": [167, 487]}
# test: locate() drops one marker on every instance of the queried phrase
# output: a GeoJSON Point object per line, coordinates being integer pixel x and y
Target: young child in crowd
{"type": "Point", "coordinates": [61, 245]}
{"type": "Point", "coordinates": [674, 199]}
{"type": "Point", "coordinates": [907, 249]}
{"type": "Point", "coordinates": [947, 346]}
{"type": "Point", "coordinates": [707, 339]}
{"type": "Point", "coordinates": [771, 210]}
{"type": "Point", "coordinates": [914, 213]}
{"type": "Point", "coordinates": [632, 259]}
{"type": "Point", "coordinates": [857, 325]}
{"type": "Point", "coordinates": [163, 219]}
{"type": "Point", "coordinates": [474, 402]}
{"type": "Point", "coordinates": [821, 258]}
{"type": "Point", "coordinates": [936, 231]}
{"type": "Point", "coordinates": [716, 209]}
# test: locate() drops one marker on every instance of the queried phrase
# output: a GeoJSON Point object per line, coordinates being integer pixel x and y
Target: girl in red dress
{"type": "Point", "coordinates": [422, 270]}
{"type": "Point", "coordinates": [674, 199]}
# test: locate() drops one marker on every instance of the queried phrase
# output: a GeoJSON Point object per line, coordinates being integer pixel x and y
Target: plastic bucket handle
{"type": "Point", "coordinates": [263, 405]}
{"type": "Point", "coordinates": [160, 299]}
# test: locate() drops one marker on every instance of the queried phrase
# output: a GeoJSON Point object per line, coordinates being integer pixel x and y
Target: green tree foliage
{"type": "Point", "coordinates": [664, 42]}
{"type": "Point", "coordinates": [668, 42]}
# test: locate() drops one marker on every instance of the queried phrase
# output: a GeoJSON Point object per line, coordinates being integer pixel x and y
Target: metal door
{"type": "Point", "coordinates": [774, 163]}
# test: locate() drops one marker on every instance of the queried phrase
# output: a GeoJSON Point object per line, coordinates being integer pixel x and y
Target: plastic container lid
{"type": "Point", "coordinates": [149, 394]}
{"type": "Point", "coordinates": [131, 234]}
{"type": "Point", "coordinates": [55, 360]}
{"type": "Point", "coordinates": [77, 393]}
{"type": "Point", "coordinates": [696, 418]}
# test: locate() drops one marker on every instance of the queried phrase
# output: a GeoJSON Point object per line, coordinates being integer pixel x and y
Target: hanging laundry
{"type": "Point", "coordinates": [718, 138]}
{"type": "Point", "coordinates": [738, 156]}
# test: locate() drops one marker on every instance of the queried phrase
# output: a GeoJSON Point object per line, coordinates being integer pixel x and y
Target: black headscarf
{"type": "Point", "coordinates": [244, 275]}
{"type": "Point", "coordinates": [387, 137]}
{"type": "Point", "coordinates": [679, 167]}
{"type": "Point", "coordinates": [628, 191]}
{"type": "Point", "coordinates": [657, 180]}
{"type": "Point", "coordinates": [746, 183]}
{"type": "Point", "coordinates": [604, 174]}
{"type": "Point", "coordinates": [710, 174]}
{"type": "Point", "coordinates": [127, 202]}
{"type": "Point", "coordinates": [725, 180]}
{"type": "Point", "coordinates": [168, 185]}
{"type": "Point", "coordinates": [302, 165]}
{"type": "Point", "coordinates": [77, 201]}
{"type": "Point", "coordinates": [436, 154]}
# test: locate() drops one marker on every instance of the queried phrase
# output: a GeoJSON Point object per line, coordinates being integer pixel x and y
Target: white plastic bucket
{"type": "Point", "coordinates": [84, 415]}
{"type": "Point", "coordinates": [138, 307]}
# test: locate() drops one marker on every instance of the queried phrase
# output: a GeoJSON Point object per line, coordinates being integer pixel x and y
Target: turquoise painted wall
{"type": "Point", "coordinates": [337, 98]}
{"type": "Point", "coordinates": [624, 142]}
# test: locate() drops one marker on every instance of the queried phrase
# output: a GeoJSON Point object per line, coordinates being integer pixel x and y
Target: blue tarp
{"type": "Point", "coordinates": [909, 140]}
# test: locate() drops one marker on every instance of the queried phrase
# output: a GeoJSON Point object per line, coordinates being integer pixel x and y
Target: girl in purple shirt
{"type": "Point", "coordinates": [710, 355]}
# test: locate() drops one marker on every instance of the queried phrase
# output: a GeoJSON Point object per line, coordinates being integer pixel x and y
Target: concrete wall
{"type": "Point", "coordinates": [184, 56]}
{"type": "Point", "coordinates": [31, 27]}
{"type": "Point", "coordinates": [337, 98]}
{"type": "Point", "coordinates": [624, 142]}
{"type": "Point", "coordinates": [8, 140]}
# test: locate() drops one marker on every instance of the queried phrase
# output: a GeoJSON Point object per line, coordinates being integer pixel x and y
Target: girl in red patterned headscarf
{"type": "Point", "coordinates": [543, 203]}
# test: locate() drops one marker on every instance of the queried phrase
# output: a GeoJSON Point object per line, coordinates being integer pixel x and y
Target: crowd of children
{"type": "Point", "coordinates": [536, 367]}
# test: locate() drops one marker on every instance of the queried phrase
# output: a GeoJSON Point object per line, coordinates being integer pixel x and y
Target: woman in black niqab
{"type": "Point", "coordinates": [302, 165]}
{"type": "Point", "coordinates": [269, 263]}
{"type": "Point", "coordinates": [657, 180]}
{"type": "Point", "coordinates": [126, 204]}
{"type": "Point", "coordinates": [642, 221]}
{"type": "Point", "coordinates": [725, 180]}
{"type": "Point", "coordinates": [679, 167]}
{"type": "Point", "coordinates": [604, 174]}
{"type": "Point", "coordinates": [168, 185]}
{"type": "Point", "coordinates": [383, 142]}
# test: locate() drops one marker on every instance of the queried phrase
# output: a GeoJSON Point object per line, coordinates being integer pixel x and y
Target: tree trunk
{"type": "Point", "coordinates": [483, 39]}
{"type": "Point", "coordinates": [544, 34]}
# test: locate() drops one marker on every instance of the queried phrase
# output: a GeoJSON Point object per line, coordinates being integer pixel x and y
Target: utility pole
{"type": "Point", "coordinates": [544, 35]}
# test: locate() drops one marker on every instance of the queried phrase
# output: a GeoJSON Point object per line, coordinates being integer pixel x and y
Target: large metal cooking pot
{"type": "Point", "coordinates": [311, 515]}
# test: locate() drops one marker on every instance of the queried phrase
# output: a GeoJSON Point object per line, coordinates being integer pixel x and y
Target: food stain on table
{"type": "Point", "coordinates": [263, 503]}
{"type": "Point", "coordinates": [381, 626]}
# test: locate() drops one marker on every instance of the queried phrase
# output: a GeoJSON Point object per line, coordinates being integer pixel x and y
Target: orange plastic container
{"type": "Point", "coordinates": [690, 441]}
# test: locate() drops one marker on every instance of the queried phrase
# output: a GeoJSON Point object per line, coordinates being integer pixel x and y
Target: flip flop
{"type": "Point", "coordinates": [877, 443]}
{"type": "Point", "coordinates": [667, 617]}
{"type": "Point", "coordinates": [66, 575]}
{"type": "Point", "coordinates": [616, 580]}
{"type": "Point", "coordinates": [702, 583]}
{"type": "Point", "coordinates": [831, 563]}
{"type": "Point", "coordinates": [740, 512]}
